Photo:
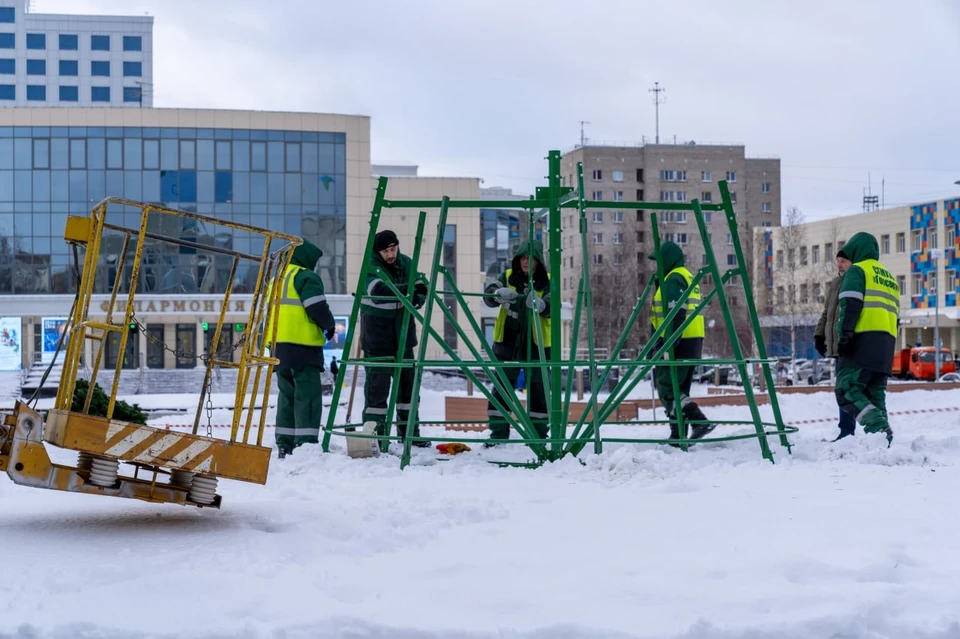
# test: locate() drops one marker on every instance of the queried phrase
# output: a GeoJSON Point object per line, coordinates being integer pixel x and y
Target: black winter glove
{"type": "Point", "coordinates": [820, 343]}
{"type": "Point", "coordinates": [330, 333]}
{"type": "Point", "coordinates": [420, 289]}
{"type": "Point", "coordinates": [845, 346]}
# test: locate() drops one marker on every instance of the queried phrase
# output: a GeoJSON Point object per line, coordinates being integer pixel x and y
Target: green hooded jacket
{"type": "Point", "coordinates": [381, 315]}
{"type": "Point", "coordinates": [309, 287]}
{"type": "Point", "coordinates": [672, 290]}
{"type": "Point", "coordinates": [872, 350]}
{"type": "Point", "coordinates": [516, 328]}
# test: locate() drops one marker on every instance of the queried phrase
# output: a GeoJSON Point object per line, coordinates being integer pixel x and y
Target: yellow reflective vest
{"type": "Point", "coordinates": [513, 312]}
{"type": "Point", "coordinates": [294, 326]}
{"type": "Point", "coordinates": [881, 299]}
{"type": "Point", "coordinates": [657, 314]}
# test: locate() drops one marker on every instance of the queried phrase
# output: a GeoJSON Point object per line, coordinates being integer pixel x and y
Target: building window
{"type": "Point", "coordinates": [69, 94]}
{"type": "Point", "coordinates": [618, 238]}
{"type": "Point", "coordinates": [673, 176]}
{"type": "Point", "coordinates": [818, 292]}
{"type": "Point", "coordinates": [917, 241]}
{"type": "Point", "coordinates": [816, 254]}
{"type": "Point", "coordinates": [706, 196]}
{"type": "Point", "coordinates": [100, 68]}
{"type": "Point", "coordinates": [639, 195]}
{"type": "Point", "coordinates": [731, 259]}
{"type": "Point", "coordinates": [884, 245]}
{"type": "Point", "coordinates": [69, 42]}
{"type": "Point", "coordinates": [8, 15]}
{"type": "Point", "coordinates": [729, 238]}
{"type": "Point", "coordinates": [803, 256]}
{"type": "Point", "coordinates": [69, 68]}
{"type": "Point", "coordinates": [792, 293]}
{"type": "Point", "coordinates": [37, 41]}
{"type": "Point", "coordinates": [901, 242]}
{"type": "Point", "coordinates": [766, 207]}
{"type": "Point", "coordinates": [36, 67]}
{"type": "Point", "coordinates": [951, 236]}
{"type": "Point", "coordinates": [733, 197]}
{"type": "Point", "coordinates": [132, 94]}
{"type": "Point", "coordinates": [639, 237]}
{"type": "Point", "coordinates": [598, 216]}
{"type": "Point", "coordinates": [792, 258]}
{"type": "Point", "coordinates": [781, 296]}
{"type": "Point", "coordinates": [131, 353]}
{"type": "Point", "coordinates": [617, 217]}
{"type": "Point", "coordinates": [676, 238]}
{"type": "Point", "coordinates": [132, 69]}
{"type": "Point", "coordinates": [673, 196]}
{"type": "Point", "coordinates": [917, 284]}
{"type": "Point", "coordinates": [8, 41]}
{"type": "Point", "coordinates": [902, 283]}
{"type": "Point", "coordinates": [804, 298]}
{"type": "Point", "coordinates": [765, 187]}
{"type": "Point", "coordinates": [706, 176]}
{"type": "Point", "coordinates": [731, 176]}
{"type": "Point", "coordinates": [132, 43]}
{"type": "Point", "coordinates": [766, 225]}
{"type": "Point", "coordinates": [100, 94]}
{"type": "Point", "coordinates": [618, 176]}
{"type": "Point", "coordinates": [949, 281]}
{"type": "Point", "coordinates": [154, 345]}
{"type": "Point", "coordinates": [597, 175]}
{"type": "Point", "coordinates": [99, 43]}
{"type": "Point", "coordinates": [679, 217]}
{"type": "Point", "coordinates": [598, 238]}
{"type": "Point", "coordinates": [8, 92]}
{"type": "Point", "coordinates": [36, 92]}
{"type": "Point", "coordinates": [597, 196]}
{"type": "Point", "coordinates": [597, 259]}
{"type": "Point", "coordinates": [618, 259]}
{"type": "Point", "coordinates": [618, 196]}
{"type": "Point", "coordinates": [933, 238]}
{"type": "Point", "coordinates": [779, 258]}
{"type": "Point", "coordinates": [640, 176]}
{"type": "Point", "coordinates": [8, 66]}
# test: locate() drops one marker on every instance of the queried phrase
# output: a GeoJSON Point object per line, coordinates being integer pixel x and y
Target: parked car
{"type": "Point", "coordinates": [950, 377]}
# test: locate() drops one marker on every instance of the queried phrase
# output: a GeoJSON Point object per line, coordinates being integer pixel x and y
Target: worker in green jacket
{"type": "Point", "coordinates": [677, 279]}
{"type": "Point", "coordinates": [867, 334]}
{"type": "Point", "coordinates": [381, 321]}
{"type": "Point", "coordinates": [514, 336]}
{"type": "Point", "coordinates": [304, 323]}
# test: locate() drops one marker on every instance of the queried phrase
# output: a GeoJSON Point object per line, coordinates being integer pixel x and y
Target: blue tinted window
{"type": "Point", "coordinates": [8, 66]}
{"type": "Point", "coordinates": [100, 43]}
{"type": "Point", "coordinates": [69, 94]}
{"type": "Point", "coordinates": [132, 155]}
{"type": "Point", "coordinates": [205, 186]}
{"type": "Point", "coordinates": [36, 67]}
{"type": "Point", "coordinates": [205, 155]}
{"type": "Point", "coordinates": [36, 92]}
{"type": "Point", "coordinates": [58, 153]}
{"type": "Point", "coordinates": [258, 152]}
{"type": "Point", "coordinates": [100, 94]}
{"type": "Point", "coordinates": [188, 154]}
{"type": "Point", "coordinates": [69, 67]}
{"type": "Point", "coordinates": [114, 154]}
{"type": "Point", "coordinates": [223, 188]}
{"type": "Point", "coordinates": [132, 43]}
{"type": "Point", "coordinates": [41, 154]}
{"type": "Point", "coordinates": [100, 67]}
{"type": "Point", "coordinates": [41, 193]}
{"type": "Point", "coordinates": [241, 156]}
{"type": "Point", "coordinates": [8, 41]}
{"type": "Point", "coordinates": [275, 156]}
{"type": "Point", "coordinates": [151, 154]}
{"type": "Point", "coordinates": [293, 157]}
{"type": "Point", "coordinates": [223, 156]}
{"type": "Point", "coordinates": [132, 69]}
{"type": "Point", "coordinates": [132, 94]}
{"type": "Point", "coordinates": [37, 41]}
{"type": "Point", "coordinates": [69, 42]}
{"type": "Point", "coordinates": [8, 15]}
{"type": "Point", "coordinates": [188, 186]}
{"type": "Point", "coordinates": [96, 156]}
{"type": "Point", "coordinates": [78, 154]}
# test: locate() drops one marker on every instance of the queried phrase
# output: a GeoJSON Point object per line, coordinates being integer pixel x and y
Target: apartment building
{"type": "Point", "coordinates": [619, 240]}
{"type": "Point", "coordinates": [918, 245]}
{"type": "Point", "coordinates": [74, 60]}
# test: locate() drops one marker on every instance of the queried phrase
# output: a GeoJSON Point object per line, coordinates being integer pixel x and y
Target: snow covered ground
{"type": "Point", "coordinates": [843, 540]}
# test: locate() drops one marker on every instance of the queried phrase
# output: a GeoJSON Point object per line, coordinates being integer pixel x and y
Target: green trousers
{"type": "Point", "coordinates": [536, 397]}
{"type": "Point", "coordinates": [862, 394]}
{"type": "Point", "coordinates": [664, 384]}
{"type": "Point", "coordinates": [299, 407]}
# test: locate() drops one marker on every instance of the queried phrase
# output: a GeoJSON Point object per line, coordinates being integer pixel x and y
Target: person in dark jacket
{"type": "Point", "coordinates": [304, 324]}
{"type": "Point", "coordinates": [677, 279]}
{"type": "Point", "coordinates": [334, 368]}
{"type": "Point", "coordinates": [513, 332]}
{"type": "Point", "coordinates": [867, 334]}
{"type": "Point", "coordinates": [381, 318]}
{"type": "Point", "coordinates": [825, 335]}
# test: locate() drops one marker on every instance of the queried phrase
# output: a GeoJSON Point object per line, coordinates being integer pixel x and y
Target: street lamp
{"type": "Point", "coordinates": [935, 255]}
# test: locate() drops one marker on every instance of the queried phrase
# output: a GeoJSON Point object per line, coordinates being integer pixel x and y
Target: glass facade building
{"type": "Point", "coordinates": [291, 181]}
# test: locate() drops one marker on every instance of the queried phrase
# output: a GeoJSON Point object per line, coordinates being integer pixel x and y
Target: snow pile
{"type": "Point", "coordinates": [845, 540]}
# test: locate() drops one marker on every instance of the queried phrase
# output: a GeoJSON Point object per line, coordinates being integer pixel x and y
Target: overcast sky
{"type": "Point", "coordinates": [837, 89]}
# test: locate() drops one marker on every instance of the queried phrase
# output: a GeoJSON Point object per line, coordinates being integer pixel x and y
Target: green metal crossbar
{"type": "Point", "coordinates": [548, 202]}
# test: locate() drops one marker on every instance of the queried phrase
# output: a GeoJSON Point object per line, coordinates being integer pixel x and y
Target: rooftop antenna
{"type": "Point", "coordinates": [583, 139]}
{"type": "Point", "coordinates": [870, 202]}
{"type": "Point", "coordinates": [656, 91]}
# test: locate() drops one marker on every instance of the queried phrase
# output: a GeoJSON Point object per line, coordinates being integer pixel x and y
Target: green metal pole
{"type": "Point", "coordinates": [558, 421]}
{"type": "Point", "coordinates": [588, 289]}
{"type": "Point", "coordinates": [752, 309]}
{"type": "Point", "coordinates": [355, 311]}
{"type": "Point", "coordinates": [731, 328]}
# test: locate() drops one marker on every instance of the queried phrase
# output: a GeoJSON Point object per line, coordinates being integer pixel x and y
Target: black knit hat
{"type": "Point", "coordinates": [384, 240]}
{"type": "Point", "coordinates": [842, 253]}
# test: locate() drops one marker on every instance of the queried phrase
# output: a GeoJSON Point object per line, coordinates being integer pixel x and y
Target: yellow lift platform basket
{"type": "Point", "coordinates": [123, 459]}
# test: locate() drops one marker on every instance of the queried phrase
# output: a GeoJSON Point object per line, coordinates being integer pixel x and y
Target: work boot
{"type": "Point", "coordinates": [675, 433]}
{"type": "Point", "coordinates": [889, 433]}
{"type": "Point", "coordinates": [283, 452]}
{"type": "Point", "coordinates": [693, 413]}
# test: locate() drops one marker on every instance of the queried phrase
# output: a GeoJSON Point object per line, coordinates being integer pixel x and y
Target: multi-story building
{"type": "Point", "coordinates": [619, 240]}
{"type": "Point", "coordinates": [918, 245]}
{"type": "Point", "coordinates": [74, 60]}
{"type": "Point", "coordinates": [303, 173]}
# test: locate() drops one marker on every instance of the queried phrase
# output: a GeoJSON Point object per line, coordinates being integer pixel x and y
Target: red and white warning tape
{"type": "Point", "coordinates": [478, 427]}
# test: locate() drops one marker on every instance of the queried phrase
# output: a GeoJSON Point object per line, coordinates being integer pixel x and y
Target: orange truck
{"type": "Point", "coordinates": [919, 363]}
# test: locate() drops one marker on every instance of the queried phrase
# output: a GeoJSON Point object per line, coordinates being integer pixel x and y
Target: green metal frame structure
{"type": "Point", "coordinates": [548, 202]}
